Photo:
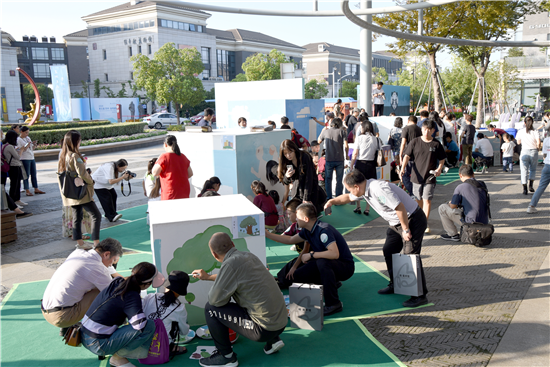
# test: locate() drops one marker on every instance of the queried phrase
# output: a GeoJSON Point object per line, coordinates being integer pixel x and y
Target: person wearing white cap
{"type": "Point", "coordinates": [119, 302]}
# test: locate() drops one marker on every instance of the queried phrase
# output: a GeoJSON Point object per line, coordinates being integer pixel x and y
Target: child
{"type": "Point", "coordinates": [151, 184]}
{"type": "Point", "coordinates": [266, 204]}
{"type": "Point", "coordinates": [293, 229]}
{"type": "Point", "coordinates": [212, 186]}
{"type": "Point", "coordinates": [283, 223]}
{"type": "Point", "coordinates": [507, 153]}
{"type": "Point", "coordinates": [167, 307]}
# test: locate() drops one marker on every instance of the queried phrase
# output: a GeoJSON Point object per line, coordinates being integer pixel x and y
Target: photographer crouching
{"type": "Point", "coordinates": [106, 177]}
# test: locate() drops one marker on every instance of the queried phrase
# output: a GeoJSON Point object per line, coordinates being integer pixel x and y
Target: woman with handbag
{"type": "Point", "coordinates": [364, 157]}
{"type": "Point", "coordinates": [121, 301]}
{"type": "Point", "coordinates": [72, 167]}
{"type": "Point", "coordinates": [16, 172]}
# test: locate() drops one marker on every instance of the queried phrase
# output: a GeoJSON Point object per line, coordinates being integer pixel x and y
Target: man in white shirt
{"type": "Point", "coordinates": [407, 221]}
{"type": "Point", "coordinates": [77, 282]}
{"type": "Point", "coordinates": [484, 149]}
{"type": "Point", "coordinates": [378, 97]}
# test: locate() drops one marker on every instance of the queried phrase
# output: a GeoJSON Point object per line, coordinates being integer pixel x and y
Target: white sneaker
{"type": "Point", "coordinates": [20, 206]}
{"type": "Point", "coordinates": [117, 217]}
{"type": "Point", "coordinates": [427, 230]}
{"type": "Point", "coordinates": [19, 202]}
{"type": "Point", "coordinates": [531, 209]}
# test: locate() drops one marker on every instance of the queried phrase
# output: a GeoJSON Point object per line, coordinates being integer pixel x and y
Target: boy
{"type": "Point", "coordinates": [294, 228]}
{"type": "Point", "coordinates": [507, 153]}
{"type": "Point", "coordinates": [452, 150]}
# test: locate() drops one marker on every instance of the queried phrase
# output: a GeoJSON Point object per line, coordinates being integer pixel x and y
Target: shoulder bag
{"type": "Point", "coordinates": [5, 163]}
{"type": "Point", "coordinates": [379, 155]}
{"type": "Point", "coordinates": [68, 186]}
{"type": "Point", "coordinates": [478, 234]}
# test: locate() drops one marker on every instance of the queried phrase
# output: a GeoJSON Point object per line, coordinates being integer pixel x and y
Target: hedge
{"type": "Point", "coordinates": [64, 125]}
{"type": "Point", "coordinates": [90, 132]}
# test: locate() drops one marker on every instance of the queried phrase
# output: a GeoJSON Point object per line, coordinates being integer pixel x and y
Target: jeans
{"type": "Point", "coordinates": [329, 168]}
{"type": "Point", "coordinates": [234, 317]}
{"type": "Point", "coordinates": [528, 164]}
{"type": "Point", "coordinates": [126, 342]}
{"type": "Point", "coordinates": [479, 155]}
{"type": "Point", "coordinates": [30, 168]}
{"type": "Point", "coordinates": [107, 198]}
{"type": "Point", "coordinates": [507, 162]}
{"type": "Point", "coordinates": [394, 243]}
{"type": "Point", "coordinates": [543, 184]}
{"type": "Point", "coordinates": [92, 209]}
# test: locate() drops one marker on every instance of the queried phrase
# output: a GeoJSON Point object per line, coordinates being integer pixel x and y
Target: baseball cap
{"type": "Point", "coordinates": [177, 281]}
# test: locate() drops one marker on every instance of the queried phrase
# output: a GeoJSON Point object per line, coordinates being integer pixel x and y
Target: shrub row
{"type": "Point", "coordinates": [63, 125]}
{"type": "Point", "coordinates": [90, 132]}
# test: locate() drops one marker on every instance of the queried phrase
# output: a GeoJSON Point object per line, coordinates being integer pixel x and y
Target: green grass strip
{"type": "Point", "coordinates": [8, 295]}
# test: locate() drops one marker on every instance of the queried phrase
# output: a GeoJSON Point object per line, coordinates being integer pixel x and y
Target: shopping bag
{"type": "Point", "coordinates": [306, 306]}
{"type": "Point", "coordinates": [159, 351]}
{"type": "Point", "coordinates": [407, 277]}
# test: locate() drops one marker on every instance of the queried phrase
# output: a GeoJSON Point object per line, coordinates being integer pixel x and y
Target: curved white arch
{"type": "Point", "coordinates": [325, 13]}
{"type": "Point", "coordinates": [448, 41]}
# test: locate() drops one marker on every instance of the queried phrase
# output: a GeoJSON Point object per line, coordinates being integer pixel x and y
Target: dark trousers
{"type": "Point", "coordinates": [394, 242]}
{"type": "Point", "coordinates": [234, 317]}
{"type": "Point", "coordinates": [406, 179]}
{"type": "Point", "coordinates": [92, 209]}
{"type": "Point", "coordinates": [9, 201]}
{"type": "Point", "coordinates": [452, 158]}
{"type": "Point", "coordinates": [322, 272]}
{"type": "Point", "coordinates": [367, 168]}
{"type": "Point", "coordinates": [107, 198]}
{"type": "Point", "coordinates": [330, 167]}
{"type": "Point", "coordinates": [15, 182]}
{"type": "Point", "coordinates": [378, 110]}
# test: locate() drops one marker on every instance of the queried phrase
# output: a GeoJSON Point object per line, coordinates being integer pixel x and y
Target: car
{"type": "Point", "coordinates": [195, 119]}
{"type": "Point", "coordinates": [160, 120]}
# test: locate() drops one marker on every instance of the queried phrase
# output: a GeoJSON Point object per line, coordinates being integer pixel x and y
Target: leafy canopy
{"type": "Point", "coordinates": [315, 89]}
{"type": "Point", "coordinates": [264, 67]}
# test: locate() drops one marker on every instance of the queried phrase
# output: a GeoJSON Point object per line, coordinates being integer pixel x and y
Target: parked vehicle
{"type": "Point", "coordinates": [160, 120]}
{"type": "Point", "coordinates": [195, 119]}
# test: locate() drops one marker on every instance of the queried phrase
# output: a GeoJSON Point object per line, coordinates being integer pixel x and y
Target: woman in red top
{"type": "Point", "coordinates": [174, 170]}
{"type": "Point", "coordinates": [265, 203]}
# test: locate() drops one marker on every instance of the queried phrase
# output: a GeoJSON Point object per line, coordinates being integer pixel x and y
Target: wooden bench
{"type": "Point", "coordinates": [9, 226]}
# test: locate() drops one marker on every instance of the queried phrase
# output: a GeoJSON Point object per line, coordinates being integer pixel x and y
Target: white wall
{"type": "Point", "coordinates": [11, 83]}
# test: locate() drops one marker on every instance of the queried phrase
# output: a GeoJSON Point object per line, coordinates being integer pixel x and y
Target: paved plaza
{"type": "Point", "coordinates": [491, 305]}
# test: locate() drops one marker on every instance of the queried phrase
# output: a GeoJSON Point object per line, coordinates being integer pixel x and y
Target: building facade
{"type": "Point", "coordinates": [9, 81]}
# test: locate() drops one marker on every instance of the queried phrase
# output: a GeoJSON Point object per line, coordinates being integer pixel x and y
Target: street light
{"type": "Point", "coordinates": [89, 100]}
{"type": "Point", "coordinates": [333, 80]}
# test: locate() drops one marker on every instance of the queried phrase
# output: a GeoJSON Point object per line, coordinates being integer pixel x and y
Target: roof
{"type": "Point", "coordinates": [143, 4]}
{"type": "Point", "coordinates": [82, 33]}
{"type": "Point", "coordinates": [240, 35]}
{"type": "Point", "coordinates": [311, 48]}
{"type": "Point", "coordinates": [387, 54]}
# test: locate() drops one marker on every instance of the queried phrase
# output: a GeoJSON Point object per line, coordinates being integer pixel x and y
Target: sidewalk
{"type": "Point", "coordinates": [491, 304]}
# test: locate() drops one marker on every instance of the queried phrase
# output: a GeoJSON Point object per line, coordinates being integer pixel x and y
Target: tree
{"type": "Point", "coordinates": [193, 110]}
{"type": "Point", "coordinates": [264, 67]}
{"type": "Point", "coordinates": [97, 89]}
{"type": "Point", "coordinates": [349, 89]}
{"type": "Point", "coordinates": [315, 89]}
{"type": "Point", "coordinates": [240, 78]}
{"type": "Point", "coordinates": [440, 21]}
{"type": "Point", "coordinates": [248, 223]}
{"type": "Point", "coordinates": [489, 20]}
{"type": "Point", "coordinates": [380, 75]}
{"type": "Point", "coordinates": [171, 76]}
{"type": "Point", "coordinates": [45, 93]}
{"type": "Point", "coordinates": [459, 81]}
{"type": "Point", "coordinates": [515, 52]}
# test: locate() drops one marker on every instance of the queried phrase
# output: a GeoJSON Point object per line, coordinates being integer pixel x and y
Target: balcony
{"type": "Point", "coordinates": [528, 62]}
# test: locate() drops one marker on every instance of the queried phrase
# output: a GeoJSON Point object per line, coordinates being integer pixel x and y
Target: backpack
{"type": "Point", "coordinates": [478, 234]}
{"type": "Point", "coordinates": [5, 163]}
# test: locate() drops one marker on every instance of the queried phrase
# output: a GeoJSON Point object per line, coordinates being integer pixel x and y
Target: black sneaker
{"type": "Point", "coordinates": [63, 331]}
{"type": "Point", "coordinates": [329, 310]}
{"type": "Point", "coordinates": [387, 290]}
{"type": "Point", "coordinates": [217, 359]}
{"type": "Point", "coordinates": [446, 237]}
{"type": "Point", "coordinates": [274, 347]}
{"type": "Point", "coordinates": [416, 301]}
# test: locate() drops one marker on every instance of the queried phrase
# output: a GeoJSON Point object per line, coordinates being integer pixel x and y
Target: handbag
{"type": "Point", "coordinates": [5, 163]}
{"type": "Point", "coordinates": [159, 351]}
{"type": "Point", "coordinates": [407, 276]}
{"type": "Point", "coordinates": [477, 234]}
{"type": "Point", "coordinates": [68, 186]}
{"type": "Point", "coordinates": [306, 306]}
{"type": "Point", "coordinates": [379, 155]}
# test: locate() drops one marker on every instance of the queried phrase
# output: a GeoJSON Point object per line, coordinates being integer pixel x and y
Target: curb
{"type": "Point", "coordinates": [53, 154]}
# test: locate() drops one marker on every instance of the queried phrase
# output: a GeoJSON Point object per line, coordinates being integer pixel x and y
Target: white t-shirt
{"type": "Point", "coordinates": [149, 181]}
{"type": "Point", "coordinates": [546, 150]}
{"type": "Point", "coordinates": [102, 175]}
{"type": "Point", "coordinates": [28, 154]}
{"type": "Point", "coordinates": [173, 313]}
{"type": "Point", "coordinates": [378, 99]}
{"type": "Point", "coordinates": [528, 139]}
{"type": "Point", "coordinates": [485, 147]}
{"type": "Point", "coordinates": [508, 149]}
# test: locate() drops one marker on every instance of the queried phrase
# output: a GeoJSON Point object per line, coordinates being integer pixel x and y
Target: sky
{"type": "Point", "coordinates": [59, 18]}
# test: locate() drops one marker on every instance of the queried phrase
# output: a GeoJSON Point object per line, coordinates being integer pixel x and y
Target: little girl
{"type": "Point", "coordinates": [151, 184]}
{"type": "Point", "coordinates": [266, 204]}
{"type": "Point", "coordinates": [282, 224]}
{"type": "Point", "coordinates": [507, 153]}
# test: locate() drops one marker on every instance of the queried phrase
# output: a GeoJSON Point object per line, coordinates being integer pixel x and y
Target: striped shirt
{"type": "Point", "coordinates": [106, 320]}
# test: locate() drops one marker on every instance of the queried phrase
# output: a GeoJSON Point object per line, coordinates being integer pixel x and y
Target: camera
{"type": "Point", "coordinates": [130, 173]}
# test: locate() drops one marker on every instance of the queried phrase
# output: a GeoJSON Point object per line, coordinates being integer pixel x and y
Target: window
{"type": "Point", "coordinates": [175, 25]}
{"type": "Point", "coordinates": [180, 25]}
{"type": "Point", "coordinates": [58, 54]}
{"type": "Point", "coordinates": [354, 69]}
{"type": "Point", "coordinates": [205, 53]}
{"type": "Point", "coordinates": [163, 23]}
{"type": "Point", "coordinates": [149, 50]}
{"type": "Point", "coordinates": [169, 23]}
{"type": "Point", "coordinates": [136, 25]}
{"type": "Point", "coordinates": [104, 54]}
{"type": "Point", "coordinates": [106, 77]}
{"type": "Point", "coordinates": [185, 26]}
{"type": "Point", "coordinates": [22, 53]}
{"type": "Point", "coordinates": [139, 49]}
{"type": "Point", "coordinates": [192, 27]}
{"type": "Point", "coordinates": [205, 74]}
{"type": "Point", "coordinates": [40, 53]}
{"type": "Point", "coordinates": [41, 70]}
{"type": "Point", "coordinates": [226, 64]}
{"type": "Point", "coordinates": [130, 51]}
{"type": "Point", "coordinates": [131, 75]}
{"type": "Point", "coordinates": [141, 24]}
{"type": "Point", "coordinates": [199, 28]}
{"type": "Point", "coordinates": [152, 23]}
{"type": "Point", "coordinates": [304, 68]}
{"type": "Point", "coordinates": [347, 70]}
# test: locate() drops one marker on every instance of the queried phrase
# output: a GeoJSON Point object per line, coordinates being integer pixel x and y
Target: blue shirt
{"type": "Point", "coordinates": [453, 147]}
{"type": "Point", "coordinates": [474, 202]}
{"type": "Point", "coordinates": [323, 234]}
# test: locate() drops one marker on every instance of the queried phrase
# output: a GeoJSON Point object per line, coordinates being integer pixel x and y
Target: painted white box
{"type": "Point", "coordinates": [181, 230]}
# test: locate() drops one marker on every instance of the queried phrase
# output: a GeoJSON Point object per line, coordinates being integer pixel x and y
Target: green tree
{"type": "Point", "coordinates": [459, 81]}
{"type": "Point", "coordinates": [248, 223]}
{"type": "Point", "coordinates": [45, 93]}
{"type": "Point", "coordinates": [240, 78]}
{"type": "Point", "coordinates": [193, 110]}
{"type": "Point", "coordinates": [380, 75]}
{"type": "Point", "coordinates": [349, 89]}
{"type": "Point", "coordinates": [171, 76]}
{"type": "Point", "coordinates": [97, 88]}
{"type": "Point", "coordinates": [264, 67]}
{"type": "Point", "coordinates": [489, 20]}
{"type": "Point", "coordinates": [315, 89]}
{"type": "Point", "coordinates": [440, 21]}
{"type": "Point", "coordinates": [515, 52]}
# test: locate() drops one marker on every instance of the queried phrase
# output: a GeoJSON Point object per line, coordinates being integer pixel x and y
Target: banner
{"type": "Point", "coordinates": [61, 92]}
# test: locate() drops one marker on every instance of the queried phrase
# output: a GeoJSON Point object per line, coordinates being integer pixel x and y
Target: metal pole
{"type": "Point", "coordinates": [90, 101]}
{"type": "Point", "coordinates": [422, 94]}
{"type": "Point", "coordinates": [315, 5]}
{"type": "Point", "coordinates": [420, 20]}
{"type": "Point", "coordinates": [429, 89]}
{"type": "Point", "coordinates": [473, 94]}
{"type": "Point", "coordinates": [333, 81]}
{"type": "Point", "coordinates": [365, 54]}
{"type": "Point", "coordinates": [442, 88]}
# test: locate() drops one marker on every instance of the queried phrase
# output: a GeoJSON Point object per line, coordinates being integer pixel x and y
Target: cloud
{"type": "Point", "coordinates": [304, 112]}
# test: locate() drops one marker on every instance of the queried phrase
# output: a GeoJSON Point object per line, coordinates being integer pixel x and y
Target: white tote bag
{"type": "Point", "coordinates": [407, 277]}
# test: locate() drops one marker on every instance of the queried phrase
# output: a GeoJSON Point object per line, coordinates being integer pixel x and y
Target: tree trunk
{"type": "Point", "coordinates": [480, 115]}
{"type": "Point", "coordinates": [249, 230]}
{"type": "Point", "coordinates": [435, 83]}
{"type": "Point", "coordinates": [177, 106]}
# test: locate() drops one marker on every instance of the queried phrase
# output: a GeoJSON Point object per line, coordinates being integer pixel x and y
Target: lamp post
{"type": "Point", "coordinates": [333, 81]}
{"type": "Point", "coordinates": [89, 101]}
